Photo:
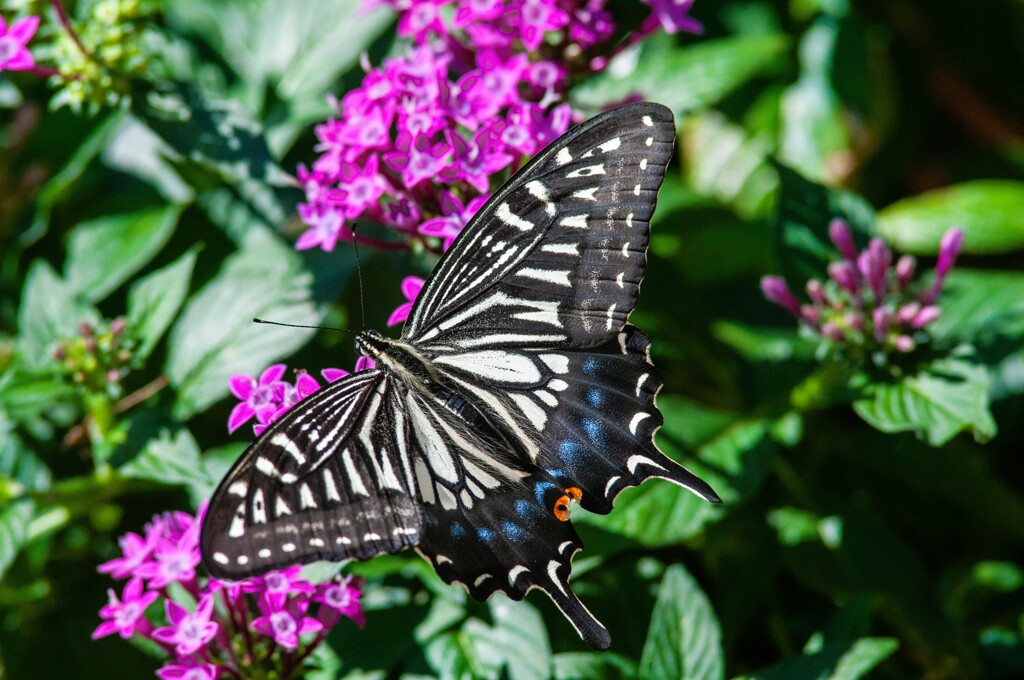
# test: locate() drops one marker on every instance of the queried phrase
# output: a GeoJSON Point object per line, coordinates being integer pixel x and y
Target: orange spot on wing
{"type": "Point", "coordinates": [561, 508]}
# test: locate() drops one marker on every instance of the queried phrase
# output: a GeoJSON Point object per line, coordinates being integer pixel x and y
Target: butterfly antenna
{"type": "Point", "coordinates": [299, 325]}
{"type": "Point", "coordinates": [359, 273]}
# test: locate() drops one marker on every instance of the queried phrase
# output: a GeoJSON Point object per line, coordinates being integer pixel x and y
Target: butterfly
{"type": "Point", "coordinates": [517, 388]}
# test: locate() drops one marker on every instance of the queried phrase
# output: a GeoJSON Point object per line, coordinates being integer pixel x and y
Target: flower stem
{"type": "Point", "coordinates": [65, 21]}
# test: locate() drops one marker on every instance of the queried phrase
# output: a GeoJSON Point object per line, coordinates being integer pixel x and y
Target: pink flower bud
{"type": "Point", "coordinates": [816, 292]}
{"type": "Point", "coordinates": [926, 316]}
{"type": "Point", "coordinates": [881, 317]}
{"type": "Point", "coordinates": [880, 250]}
{"type": "Point", "coordinates": [845, 274]}
{"type": "Point", "coordinates": [117, 325]}
{"type": "Point", "coordinates": [873, 271]}
{"type": "Point", "coordinates": [833, 332]}
{"type": "Point", "coordinates": [949, 248]}
{"type": "Point", "coordinates": [907, 312]}
{"type": "Point", "coordinates": [775, 290]}
{"type": "Point", "coordinates": [904, 343]}
{"type": "Point", "coordinates": [855, 320]}
{"type": "Point", "coordinates": [905, 271]}
{"type": "Point", "coordinates": [810, 314]}
{"type": "Point", "coordinates": [840, 234]}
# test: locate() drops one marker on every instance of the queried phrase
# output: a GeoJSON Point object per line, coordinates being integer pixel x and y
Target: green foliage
{"type": "Point", "coordinates": [873, 521]}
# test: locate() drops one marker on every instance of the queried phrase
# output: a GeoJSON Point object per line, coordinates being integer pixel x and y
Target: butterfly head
{"type": "Point", "coordinates": [371, 344]}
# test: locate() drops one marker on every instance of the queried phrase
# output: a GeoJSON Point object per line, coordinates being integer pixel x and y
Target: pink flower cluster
{"type": "Point", "coordinates": [215, 628]}
{"type": "Point", "coordinates": [478, 90]}
{"type": "Point", "coordinates": [866, 301]}
{"type": "Point", "coordinates": [14, 53]}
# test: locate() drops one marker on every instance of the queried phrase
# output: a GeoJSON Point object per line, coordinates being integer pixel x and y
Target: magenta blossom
{"type": "Point", "coordinates": [454, 217]}
{"type": "Point", "coordinates": [411, 287]}
{"type": "Point", "coordinates": [206, 671]}
{"type": "Point", "coordinates": [14, 55]}
{"type": "Point", "coordinates": [188, 632]}
{"type": "Point", "coordinates": [341, 598]}
{"type": "Point", "coordinates": [124, 616]}
{"type": "Point", "coordinates": [173, 560]}
{"type": "Point", "coordinates": [260, 398]}
{"type": "Point", "coordinates": [135, 550]}
{"type": "Point", "coordinates": [286, 624]}
{"type": "Point", "coordinates": [674, 16]}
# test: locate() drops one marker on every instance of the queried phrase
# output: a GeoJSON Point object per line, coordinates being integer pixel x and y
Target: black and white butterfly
{"type": "Point", "coordinates": [517, 386]}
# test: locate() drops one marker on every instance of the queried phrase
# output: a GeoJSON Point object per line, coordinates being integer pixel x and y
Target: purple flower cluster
{"type": "Point", "coordinates": [268, 397]}
{"type": "Point", "coordinates": [867, 301]}
{"type": "Point", "coordinates": [211, 627]}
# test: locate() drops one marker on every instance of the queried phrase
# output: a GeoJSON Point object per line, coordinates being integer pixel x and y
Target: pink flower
{"type": "Point", "coordinates": [188, 631]}
{"type": "Point", "coordinates": [455, 216]}
{"type": "Point", "coordinates": [286, 624]}
{"type": "Point", "coordinates": [537, 17]}
{"type": "Point", "coordinates": [175, 559]}
{"type": "Point", "coordinates": [674, 15]}
{"type": "Point", "coordinates": [206, 671]}
{"type": "Point", "coordinates": [341, 598]}
{"type": "Point", "coordinates": [134, 549]}
{"type": "Point", "coordinates": [325, 228]}
{"type": "Point", "coordinates": [411, 287]}
{"type": "Point", "coordinates": [125, 615]}
{"type": "Point", "coordinates": [417, 159]}
{"type": "Point", "coordinates": [276, 586]}
{"type": "Point", "coordinates": [775, 289]}
{"type": "Point", "coordinates": [359, 189]}
{"type": "Point", "coordinates": [14, 55]}
{"type": "Point", "coordinates": [260, 398]}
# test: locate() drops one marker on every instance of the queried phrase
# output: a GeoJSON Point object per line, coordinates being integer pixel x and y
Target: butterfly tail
{"type": "Point", "coordinates": [586, 624]}
{"type": "Point", "coordinates": [674, 472]}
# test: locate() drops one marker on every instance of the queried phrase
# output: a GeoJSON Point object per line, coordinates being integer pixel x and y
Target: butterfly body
{"type": "Point", "coordinates": [516, 388]}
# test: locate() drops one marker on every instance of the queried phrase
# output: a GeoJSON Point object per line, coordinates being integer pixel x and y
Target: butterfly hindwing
{"type": "Point", "coordinates": [555, 257]}
{"type": "Point", "coordinates": [328, 481]}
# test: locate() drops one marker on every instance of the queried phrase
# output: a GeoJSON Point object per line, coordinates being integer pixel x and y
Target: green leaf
{"type": "Point", "coordinates": [517, 627]}
{"type": "Point", "coordinates": [946, 397]}
{"type": "Point", "coordinates": [169, 460]}
{"type": "Point", "coordinates": [14, 521]}
{"type": "Point", "coordinates": [452, 655]}
{"type": "Point", "coordinates": [216, 134]}
{"type": "Point", "coordinates": [592, 666]}
{"type": "Point", "coordinates": [988, 210]}
{"type": "Point", "coordinates": [683, 79]}
{"type": "Point", "coordinates": [684, 640]}
{"type": "Point", "coordinates": [103, 253]}
{"type": "Point", "coordinates": [840, 661]}
{"type": "Point", "coordinates": [214, 338]}
{"type": "Point", "coordinates": [982, 307]}
{"type": "Point", "coordinates": [804, 212]}
{"type": "Point", "coordinates": [49, 311]}
{"type": "Point", "coordinates": [59, 186]}
{"type": "Point", "coordinates": [813, 129]}
{"type": "Point", "coordinates": [154, 301]}
{"type": "Point", "coordinates": [721, 160]}
{"type": "Point", "coordinates": [19, 464]}
{"type": "Point", "coordinates": [24, 395]}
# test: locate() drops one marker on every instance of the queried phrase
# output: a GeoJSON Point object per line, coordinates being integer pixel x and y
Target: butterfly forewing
{"type": "Point", "coordinates": [330, 480]}
{"type": "Point", "coordinates": [556, 256]}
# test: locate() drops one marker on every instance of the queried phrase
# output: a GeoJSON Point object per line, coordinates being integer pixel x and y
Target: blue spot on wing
{"type": "Point", "coordinates": [514, 531]}
{"type": "Point", "coordinates": [485, 534]}
{"type": "Point", "coordinates": [570, 451]}
{"type": "Point", "coordinates": [541, 489]}
{"type": "Point", "coordinates": [594, 430]}
{"type": "Point", "coordinates": [458, 531]}
{"type": "Point", "coordinates": [595, 397]}
{"type": "Point", "coordinates": [527, 510]}
{"type": "Point", "coordinates": [590, 366]}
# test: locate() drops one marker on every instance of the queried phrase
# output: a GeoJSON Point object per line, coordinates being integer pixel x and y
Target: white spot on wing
{"type": "Point", "coordinates": [220, 558]}
{"type": "Point", "coordinates": [559, 363]}
{"type": "Point", "coordinates": [586, 194]}
{"type": "Point", "coordinates": [586, 171]}
{"type": "Point", "coordinates": [611, 145]}
{"type": "Point", "coordinates": [514, 573]}
{"type": "Point", "coordinates": [561, 248]}
{"type": "Point", "coordinates": [635, 461]}
{"type": "Point", "coordinates": [353, 476]}
{"type": "Point", "coordinates": [611, 318]}
{"type": "Point", "coordinates": [635, 422]}
{"type": "Point", "coordinates": [557, 385]}
{"type": "Point", "coordinates": [505, 214]}
{"type": "Point", "coordinates": [618, 279]}
{"type": "Point", "coordinates": [553, 566]}
{"type": "Point", "coordinates": [546, 397]}
{"type": "Point", "coordinates": [636, 190]}
{"type": "Point", "coordinates": [534, 413]}
{"type": "Point", "coordinates": [264, 553]}
{"type": "Point", "coordinates": [576, 221]}
{"type": "Point", "coordinates": [285, 442]}
{"type": "Point", "coordinates": [330, 488]}
{"type": "Point", "coordinates": [557, 277]}
{"type": "Point", "coordinates": [625, 249]}
{"type": "Point", "coordinates": [647, 121]}
{"type": "Point", "coordinates": [494, 364]}
{"type": "Point", "coordinates": [609, 485]}
{"type": "Point", "coordinates": [238, 489]}
{"type": "Point", "coordinates": [563, 545]}
{"type": "Point", "coordinates": [640, 382]}
{"type": "Point", "coordinates": [563, 156]}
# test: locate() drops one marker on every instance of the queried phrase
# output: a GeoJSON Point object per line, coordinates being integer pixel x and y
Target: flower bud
{"type": "Point", "coordinates": [833, 332]}
{"type": "Point", "coordinates": [775, 290]}
{"type": "Point", "coordinates": [907, 312]}
{"type": "Point", "coordinates": [816, 292]}
{"type": "Point", "coordinates": [840, 234]}
{"type": "Point", "coordinates": [845, 274]}
{"type": "Point", "coordinates": [881, 317]}
{"type": "Point", "coordinates": [904, 343]}
{"type": "Point", "coordinates": [905, 271]}
{"type": "Point", "coordinates": [810, 314]}
{"type": "Point", "coordinates": [117, 325]}
{"type": "Point", "coordinates": [949, 248]}
{"type": "Point", "coordinates": [926, 316]}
